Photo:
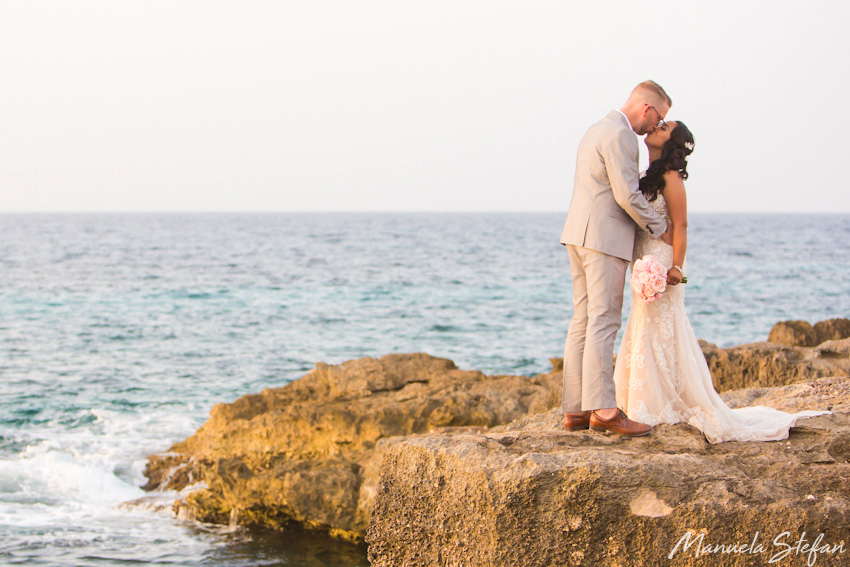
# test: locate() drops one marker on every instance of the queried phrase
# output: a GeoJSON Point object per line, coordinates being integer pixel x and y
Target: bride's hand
{"type": "Point", "coordinates": [674, 276]}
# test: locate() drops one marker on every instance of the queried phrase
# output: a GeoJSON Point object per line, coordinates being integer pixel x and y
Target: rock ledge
{"type": "Point", "coordinates": [537, 495]}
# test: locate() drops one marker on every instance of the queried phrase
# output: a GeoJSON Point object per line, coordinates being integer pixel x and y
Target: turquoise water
{"type": "Point", "coordinates": [119, 332]}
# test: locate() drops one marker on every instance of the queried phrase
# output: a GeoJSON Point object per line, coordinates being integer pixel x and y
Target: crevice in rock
{"type": "Point", "coordinates": [399, 388]}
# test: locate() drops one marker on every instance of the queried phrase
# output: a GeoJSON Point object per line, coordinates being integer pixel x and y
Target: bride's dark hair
{"type": "Point", "coordinates": [674, 155]}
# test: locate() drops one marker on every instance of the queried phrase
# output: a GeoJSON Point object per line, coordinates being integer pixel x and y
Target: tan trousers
{"type": "Point", "coordinates": [598, 282]}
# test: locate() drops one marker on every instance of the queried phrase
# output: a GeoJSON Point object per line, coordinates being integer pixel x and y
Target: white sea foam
{"type": "Point", "coordinates": [63, 475]}
{"type": "Point", "coordinates": [68, 489]}
{"type": "Point", "coordinates": [85, 470]}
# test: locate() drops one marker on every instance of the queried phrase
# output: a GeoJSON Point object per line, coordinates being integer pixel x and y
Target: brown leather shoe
{"type": "Point", "coordinates": [619, 424]}
{"type": "Point", "coordinates": [577, 421]}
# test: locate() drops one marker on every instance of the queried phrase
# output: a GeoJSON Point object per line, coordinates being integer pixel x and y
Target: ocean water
{"type": "Point", "coordinates": [118, 332]}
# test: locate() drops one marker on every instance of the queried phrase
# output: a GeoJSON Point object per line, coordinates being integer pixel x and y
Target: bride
{"type": "Point", "coordinates": [661, 375]}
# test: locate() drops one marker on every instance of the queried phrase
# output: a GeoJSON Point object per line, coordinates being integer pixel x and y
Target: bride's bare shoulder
{"type": "Point", "coordinates": [673, 184]}
{"type": "Point", "coordinates": [673, 178]}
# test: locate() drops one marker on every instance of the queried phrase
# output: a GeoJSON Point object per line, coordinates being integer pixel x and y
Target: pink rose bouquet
{"type": "Point", "coordinates": [649, 278]}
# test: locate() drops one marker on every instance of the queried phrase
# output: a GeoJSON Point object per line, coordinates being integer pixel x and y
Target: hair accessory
{"type": "Point", "coordinates": [690, 146]}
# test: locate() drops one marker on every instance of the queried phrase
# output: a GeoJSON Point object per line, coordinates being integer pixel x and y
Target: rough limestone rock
{"type": "Point", "coordinates": [770, 364]}
{"type": "Point", "coordinates": [794, 334]}
{"type": "Point", "coordinates": [832, 330]}
{"type": "Point", "coordinates": [307, 455]}
{"type": "Point", "coordinates": [534, 494]}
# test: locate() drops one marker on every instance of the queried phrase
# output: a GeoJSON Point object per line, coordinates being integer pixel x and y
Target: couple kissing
{"type": "Point", "coordinates": [616, 218]}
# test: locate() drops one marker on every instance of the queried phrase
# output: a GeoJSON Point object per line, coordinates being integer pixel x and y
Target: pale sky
{"type": "Point", "coordinates": [408, 106]}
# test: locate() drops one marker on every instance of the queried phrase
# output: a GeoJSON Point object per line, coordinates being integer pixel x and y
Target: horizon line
{"type": "Point", "coordinates": [349, 211]}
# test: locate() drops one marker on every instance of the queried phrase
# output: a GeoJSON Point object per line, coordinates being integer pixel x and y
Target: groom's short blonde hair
{"type": "Point", "coordinates": [653, 90]}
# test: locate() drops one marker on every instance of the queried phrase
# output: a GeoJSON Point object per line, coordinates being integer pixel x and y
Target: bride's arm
{"type": "Point", "coordinates": [677, 208]}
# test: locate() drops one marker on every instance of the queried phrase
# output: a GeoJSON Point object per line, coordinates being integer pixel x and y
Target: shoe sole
{"type": "Point", "coordinates": [576, 428]}
{"type": "Point", "coordinates": [605, 430]}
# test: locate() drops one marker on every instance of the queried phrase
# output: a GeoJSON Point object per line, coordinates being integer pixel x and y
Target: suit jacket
{"type": "Point", "coordinates": [607, 206]}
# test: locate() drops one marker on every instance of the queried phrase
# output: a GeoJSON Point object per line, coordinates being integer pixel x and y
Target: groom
{"type": "Point", "coordinates": [606, 209]}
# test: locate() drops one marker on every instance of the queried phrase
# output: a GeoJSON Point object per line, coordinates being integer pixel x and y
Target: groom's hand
{"type": "Point", "coordinates": [667, 236]}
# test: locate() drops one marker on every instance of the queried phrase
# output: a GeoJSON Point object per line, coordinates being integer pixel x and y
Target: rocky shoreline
{"type": "Point", "coordinates": [434, 465]}
{"type": "Point", "coordinates": [307, 455]}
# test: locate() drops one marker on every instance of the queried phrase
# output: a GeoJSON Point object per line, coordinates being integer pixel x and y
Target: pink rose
{"type": "Point", "coordinates": [657, 269]}
{"type": "Point", "coordinates": [658, 283]}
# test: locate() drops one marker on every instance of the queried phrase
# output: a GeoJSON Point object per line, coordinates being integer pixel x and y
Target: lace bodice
{"type": "Point", "coordinates": [646, 244]}
{"type": "Point", "coordinates": [660, 206]}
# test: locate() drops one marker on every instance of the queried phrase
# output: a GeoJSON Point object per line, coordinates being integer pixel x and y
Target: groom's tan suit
{"type": "Point", "coordinates": [599, 235]}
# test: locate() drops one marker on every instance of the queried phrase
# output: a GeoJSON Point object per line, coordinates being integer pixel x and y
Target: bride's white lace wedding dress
{"type": "Point", "coordinates": [662, 376]}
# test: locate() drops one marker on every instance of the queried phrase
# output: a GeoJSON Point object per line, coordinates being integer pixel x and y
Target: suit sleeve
{"type": "Point", "coordinates": [621, 158]}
